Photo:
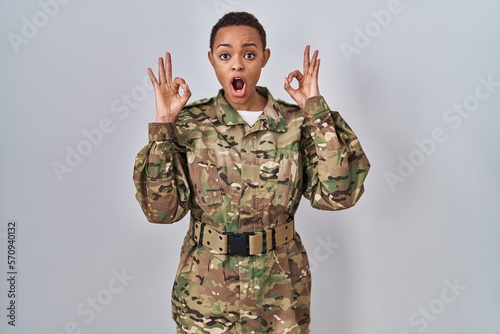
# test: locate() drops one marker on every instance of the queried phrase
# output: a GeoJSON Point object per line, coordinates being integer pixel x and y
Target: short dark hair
{"type": "Point", "coordinates": [238, 19]}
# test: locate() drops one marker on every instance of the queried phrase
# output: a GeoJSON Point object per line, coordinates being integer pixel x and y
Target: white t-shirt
{"type": "Point", "coordinates": [250, 116]}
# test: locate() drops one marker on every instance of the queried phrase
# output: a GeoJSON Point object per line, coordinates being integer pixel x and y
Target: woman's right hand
{"type": "Point", "coordinates": [169, 102]}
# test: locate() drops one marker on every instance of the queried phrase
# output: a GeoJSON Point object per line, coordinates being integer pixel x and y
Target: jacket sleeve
{"type": "Point", "coordinates": [161, 176]}
{"type": "Point", "coordinates": [335, 165]}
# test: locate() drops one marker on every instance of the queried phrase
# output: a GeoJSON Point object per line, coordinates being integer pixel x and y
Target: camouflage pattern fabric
{"type": "Point", "coordinates": [238, 178]}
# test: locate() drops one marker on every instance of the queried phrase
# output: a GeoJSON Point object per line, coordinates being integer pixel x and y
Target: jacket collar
{"type": "Point", "coordinates": [270, 119]}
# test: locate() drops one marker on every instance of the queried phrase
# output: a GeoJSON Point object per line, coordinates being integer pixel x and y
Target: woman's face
{"type": "Point", "coordinates": [238, 57]}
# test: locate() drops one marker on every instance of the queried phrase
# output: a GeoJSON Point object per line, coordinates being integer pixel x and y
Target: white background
{"type": "Point", "coordinates": [382, 267]}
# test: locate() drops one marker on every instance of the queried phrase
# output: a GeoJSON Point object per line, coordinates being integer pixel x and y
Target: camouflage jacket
{"type": "Point", "coordinates": [238, 178]}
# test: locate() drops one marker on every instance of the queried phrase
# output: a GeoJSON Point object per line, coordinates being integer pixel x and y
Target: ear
{"type": "Point", "coordinates": [265, 58]}
{"type": "Point", "coordinates": [210, 58]}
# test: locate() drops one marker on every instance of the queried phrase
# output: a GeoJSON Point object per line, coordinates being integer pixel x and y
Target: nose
{"type": "Point", "coordinates": [237, 65]}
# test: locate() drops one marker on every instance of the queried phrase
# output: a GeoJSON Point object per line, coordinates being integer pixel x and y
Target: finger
{"type": "Point", "coordinates": [295, 74]}
{"type": "Point", "coordinates": [178, 82]}
{"type": "Point", "coordinates": [313, 63]}
{"type": "Point", "coordinates": [315, 73]}
{"type": "Point", "coordinates": [168, 64]}
{"type": "Point", "coordinates": [181, 83]}
{"type": "Point", "coordinates": [288, 88]}
{"type": "Point", "coordinates": [161, 71]}
{"type": "Point", "coordinates": [152, 77]}
{"type": "Point", "coordinates": [306, 58]}
{"type": "Point", "coordinates": [187, 93]}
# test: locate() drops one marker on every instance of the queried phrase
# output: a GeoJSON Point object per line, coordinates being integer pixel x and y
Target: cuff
{"type": "Point", "coordinates": [316, 107]}
{"type": "Point", "coordinates": [161, 131]}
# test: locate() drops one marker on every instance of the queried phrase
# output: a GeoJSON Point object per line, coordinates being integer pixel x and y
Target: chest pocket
{"type": "Point", "coordinates": [279, 177]}
{"type": "Point", "coordinates": [204, 176]}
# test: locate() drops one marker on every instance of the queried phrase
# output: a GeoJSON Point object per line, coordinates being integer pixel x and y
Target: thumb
{"type": "Point", "coordinates": [289, 89]}
{"type": "Point", "coordinates": [186, 94]}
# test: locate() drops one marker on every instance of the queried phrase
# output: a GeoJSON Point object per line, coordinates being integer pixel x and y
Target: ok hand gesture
{"type": "Point", "coordinates": [169, 102]}
{"type": "Point", "coordinates": [308, 82]}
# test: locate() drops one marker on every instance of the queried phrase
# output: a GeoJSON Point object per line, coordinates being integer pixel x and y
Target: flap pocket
{"type": "Point", "coordinates": [204, 176]}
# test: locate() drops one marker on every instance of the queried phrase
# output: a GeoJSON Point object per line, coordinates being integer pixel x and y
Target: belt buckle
{"type": "Point", "coordinates": [238, 243]}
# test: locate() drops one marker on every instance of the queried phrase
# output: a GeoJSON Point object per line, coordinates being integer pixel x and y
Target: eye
{"type": "Point", "coordinates": [249, 55]}
{"type": "Point", "coordinates": [224, 56]}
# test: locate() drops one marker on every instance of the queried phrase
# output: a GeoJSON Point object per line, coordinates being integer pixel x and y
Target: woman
{"type": "Point", "coordinates": [240, 162]}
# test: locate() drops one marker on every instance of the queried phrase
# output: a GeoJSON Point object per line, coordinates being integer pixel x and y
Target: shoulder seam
{"type": "Point", "coordinates": [198, 102]}
{"type": "Point", "coordinates": [287, 103]}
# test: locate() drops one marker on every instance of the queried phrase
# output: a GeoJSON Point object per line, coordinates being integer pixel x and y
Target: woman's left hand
{"type": "Point", "coordinates": [308, 82]}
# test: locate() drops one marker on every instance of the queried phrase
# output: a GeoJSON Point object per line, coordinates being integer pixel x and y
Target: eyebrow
{"type": "Point", "coordinates": [243, 45]}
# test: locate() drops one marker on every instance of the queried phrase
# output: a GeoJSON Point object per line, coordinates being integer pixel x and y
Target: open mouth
{"type": "Point", "coordinates": [238, 86]}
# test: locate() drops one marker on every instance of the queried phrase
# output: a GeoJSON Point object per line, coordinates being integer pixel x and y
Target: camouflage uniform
{"type": "Point", "coordinates": [238, 178]}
